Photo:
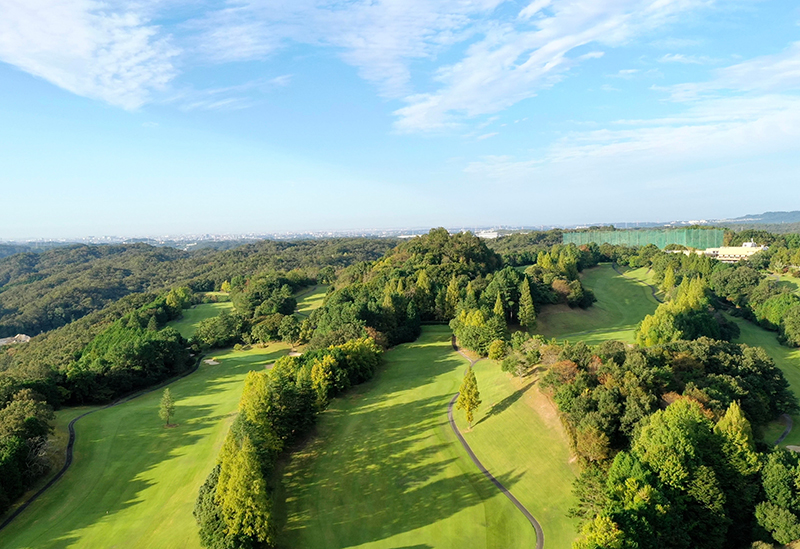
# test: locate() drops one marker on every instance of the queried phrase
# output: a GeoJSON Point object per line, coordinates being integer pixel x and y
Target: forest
{"type": "Point", "coordinates": [667, 431]}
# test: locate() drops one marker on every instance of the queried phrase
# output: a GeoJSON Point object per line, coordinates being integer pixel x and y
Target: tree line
{"type": "Point", "coordinates": [234, 507]}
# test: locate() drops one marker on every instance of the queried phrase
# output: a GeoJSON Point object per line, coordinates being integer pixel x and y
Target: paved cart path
{"type": "Point", "coordinates": [535, 523]}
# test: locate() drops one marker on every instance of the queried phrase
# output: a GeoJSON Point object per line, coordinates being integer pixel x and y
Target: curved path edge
{"type": "Point", "coordinates": [535, 523]}
{"type": "Point", "coordinates": [787, 419]}
{"type": "Point", "coordinates": [653, 289]}
{"type": "Point", "coordinates": [70, 445]}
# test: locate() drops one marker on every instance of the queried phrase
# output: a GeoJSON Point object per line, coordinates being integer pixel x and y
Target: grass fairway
{"type": "Point", "coordinates": [310, 300]}
{"type": "Point", "coordinates": [787, 359]}
{"type": "Point", "coordinates": [789, 281]}
{"type": "Point", "coordinates": [385, 470]}
{"type": "Point", "coordinates": [518, 426]}
{"type": "Point", "coordinates": [187, 325]}
{"type": "Point", "coordinates": [133, 483]}
{"type": "Point", "coordinates": [622, 302]}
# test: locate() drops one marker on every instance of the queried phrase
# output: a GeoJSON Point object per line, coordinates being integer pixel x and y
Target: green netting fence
{"type": "Point", "coordinates": [691, 238]}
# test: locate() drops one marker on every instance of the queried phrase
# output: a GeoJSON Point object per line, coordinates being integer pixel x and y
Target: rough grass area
{"type": "Point", "coordinates": [517, 433]}
{"type": "Point", "coordinates": [384, 469]}
{"type": "Point", "coordinates": [187, 325]}
{"type": "Point", "coordinates": [622, 302]}
{"type": "Point", "coordinates": [310, 300]}
{"type": "Point", "coordinates": [133, 483]}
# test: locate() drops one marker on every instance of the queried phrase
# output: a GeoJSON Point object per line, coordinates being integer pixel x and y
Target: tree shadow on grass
{"type": "Point", "coordinates": [382, 464]}
{"type": "Point", "coordinates": [506, 403]}
{"type": "Point", "coordinates": [116, 451]}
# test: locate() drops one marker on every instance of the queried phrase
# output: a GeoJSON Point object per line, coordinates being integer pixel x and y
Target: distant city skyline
{"type": "Point", "coordinates": [172, 117]}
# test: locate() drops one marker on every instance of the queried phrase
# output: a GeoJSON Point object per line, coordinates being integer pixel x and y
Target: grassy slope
{"type": "Point", "coordinates": [790, 282]}
{"type": "Point", "coordinates": [311, 300]}
{"type": "Point", "coordinates": [517, 433]}
{"type": "Point", "coordinates": [787, 359]}
{"type": "Point", "coordinates": [187, 325]}
{"type": "Point", "coordinates": [622, 302]}
{"type": "Point", "coordinates": [386, 471]}
{"type": "Point", "coordinates": [133, 483]}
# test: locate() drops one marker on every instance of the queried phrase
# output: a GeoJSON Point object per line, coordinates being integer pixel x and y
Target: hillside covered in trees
{"type": "Point", "coordinates": [43, 291]}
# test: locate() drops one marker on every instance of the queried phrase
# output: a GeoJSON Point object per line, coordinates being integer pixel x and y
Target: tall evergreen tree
{"type": "Point", "coordinates": [452, 297]}
{"type": "Point", "coordinates": [527, 312]}
{"type": "Point", "coordinates": [469, 398]}
{"type": "Point", "coordinates": [669, 280]}
{"type": "Point", "coordinates": [242, 492]}
{"type": "Point", "coordinates": [499, 310]}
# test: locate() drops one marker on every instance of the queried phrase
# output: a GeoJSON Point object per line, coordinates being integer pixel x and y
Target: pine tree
{"type": "Point", "coordinates": [152, 324]}
{"type": "Point", "coordinates": [469, 398]}
{"type": "Point", "coordinates": [167, 408]}
{"type": "Point", "coordinates": [527, 311]}
{"type": "Point", "coordinates": [499, 310]}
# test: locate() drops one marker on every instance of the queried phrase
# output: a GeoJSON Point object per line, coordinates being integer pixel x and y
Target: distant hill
{"type": "Point", "coordinates": [767, 218]}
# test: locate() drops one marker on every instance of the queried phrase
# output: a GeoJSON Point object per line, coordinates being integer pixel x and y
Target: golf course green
{"type": "Point", "coordinates": [623, 300]}
{"type": "Point", "coordinates": [384, 469]}
{"type": "Point", "coordinates": [187, 325]}
{"type": "Point", "coordinates": [310, 300]}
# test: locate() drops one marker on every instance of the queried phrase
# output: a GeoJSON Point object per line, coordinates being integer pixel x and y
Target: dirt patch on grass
{"type": "Point", "coordinates": [211, 362]}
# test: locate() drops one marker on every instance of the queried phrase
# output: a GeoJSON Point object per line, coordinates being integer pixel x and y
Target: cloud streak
{"type": "Point", "coordinates": [515, 60]}
{"type": "Point", "coordinates": [89, 48]}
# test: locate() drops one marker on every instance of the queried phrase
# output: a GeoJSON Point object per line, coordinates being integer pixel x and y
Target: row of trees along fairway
{"type": "Point", "coordinates": [234, 506]}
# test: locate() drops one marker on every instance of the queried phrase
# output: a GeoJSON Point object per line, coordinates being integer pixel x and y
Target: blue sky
{"type": "Point", "coordinates": [162, 117]}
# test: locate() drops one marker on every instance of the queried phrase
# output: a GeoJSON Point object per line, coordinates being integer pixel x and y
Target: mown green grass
{"type": "Point", "coordinates": [187, 325]}
{"type": "Point", "coordinates": [517, 432]}
{"type": "Point", "coordinates": [789, 281]}
{"type": "Point", "coordinates": [787, 359]}
{"type": "Point", "coordinates": [385, 470]}
{"type": "Point", "coordinates": [133, 483]}
{"type": "Point", "coordinates": [310, 300]}
{"type": "Point", "coordinates": [622, 302]}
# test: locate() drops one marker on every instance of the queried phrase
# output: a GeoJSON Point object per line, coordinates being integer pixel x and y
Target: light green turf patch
{"type": "Point", "coordinates": [187, 325]}
{"type": "Point", "coordinates": [517, 432]}
{"type": "Point", "coordinates": [386, 471]}
{"type": "Point", "coordinates": [788, 281]}
{"type": "Point", "coordinates": [786, 358]}
{"type": "Point", "coordinates": [622, 302]}
{"type": "Point", "coordinates": [133, 483]}
{"type": "Point", "coordinates": [311, 300]}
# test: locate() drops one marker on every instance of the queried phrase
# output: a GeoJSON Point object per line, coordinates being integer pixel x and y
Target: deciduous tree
{"type": "Point", "coordinates": [469, 398]}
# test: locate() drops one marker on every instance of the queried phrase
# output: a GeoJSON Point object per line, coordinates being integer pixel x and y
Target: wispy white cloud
{"type": "Point", "coordinates": [379, 37]}
{"type": "Point", "coordinates": [685, 59]}
{"type": "Point", "coordinates": [235, 97]}
{"type": "Point", "coordinates": [513, 61]}
{"type": "Point", "coordinates": [765, 74]}
{"type": "Point", "coordinates": [727, 120]}
{"type": "Point", "coordinates": [486, 136]}
{"type": "Point", "coordinates": [97, 50]}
